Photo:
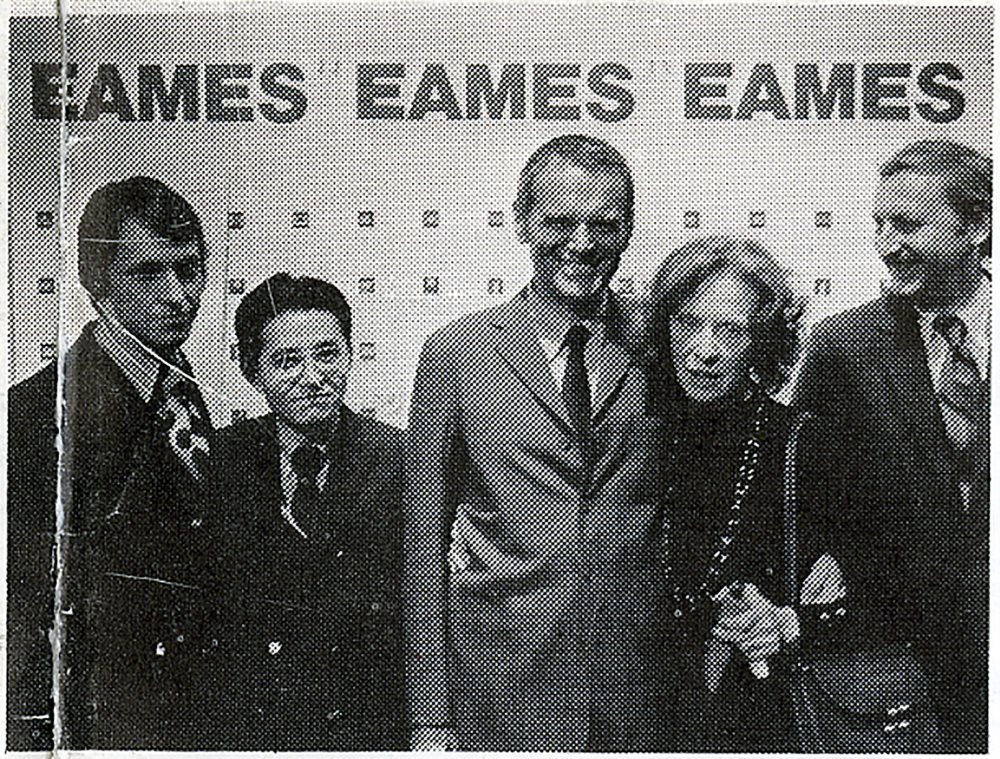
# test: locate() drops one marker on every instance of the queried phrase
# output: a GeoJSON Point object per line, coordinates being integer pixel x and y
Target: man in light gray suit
{"type": "Point", "coordinates": [531, 521]}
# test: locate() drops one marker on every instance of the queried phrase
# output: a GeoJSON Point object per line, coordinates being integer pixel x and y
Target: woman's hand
{"type": "Point", "coordinates": [753, 624]}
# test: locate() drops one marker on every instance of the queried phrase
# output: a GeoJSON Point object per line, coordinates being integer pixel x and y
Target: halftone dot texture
{"type": "Point", "coordinates": [542, 639]}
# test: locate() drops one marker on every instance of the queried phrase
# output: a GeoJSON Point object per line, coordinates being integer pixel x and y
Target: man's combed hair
{"type": "Point", "coordinates": [588, 153]}
{"type": "Point", "coordinates": [774, 328]}
{"type": "Point", "coordinates": [967, 176]}
{"type": "Point", "coordinates": [148, 201]}
{"type": "Point", "coordinates": [279, 294]}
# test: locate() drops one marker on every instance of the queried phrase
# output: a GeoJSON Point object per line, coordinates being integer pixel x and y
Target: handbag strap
{"type": "Point", "coordinates": [790, 511]}
{"type": "Point", "coordinates": [808, 730]}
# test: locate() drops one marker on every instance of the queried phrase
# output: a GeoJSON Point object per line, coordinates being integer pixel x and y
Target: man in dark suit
{"type": "Point", "coordinates": [134, 444]}
{"type": "Point", "coordinates": [530, 571]}
{"type": "Point", "coordinates": [902, 385]}
{"type": "Point", "coordinates": [308, 506]}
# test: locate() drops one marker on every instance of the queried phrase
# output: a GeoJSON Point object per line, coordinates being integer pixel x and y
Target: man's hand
{"type": "Point", "coordinates": [434, 739]}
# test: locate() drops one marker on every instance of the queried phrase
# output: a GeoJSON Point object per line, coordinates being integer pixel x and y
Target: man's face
{"type": "Point", "coordinates": [303, 368]}
{"type": "Point", "coordinates": [153, 287]}
{"type": "Point", "coordinates": [929, 249]}
{"type": "Point", "coordinates": [577, 229]}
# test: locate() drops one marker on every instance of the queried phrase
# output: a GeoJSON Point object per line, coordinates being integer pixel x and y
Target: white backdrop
{"type": "Point", "coordinates": [334, 167]}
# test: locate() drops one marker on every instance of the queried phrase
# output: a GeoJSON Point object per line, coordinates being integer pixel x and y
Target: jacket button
{"type": "Point", "coordinates": [274, 647]}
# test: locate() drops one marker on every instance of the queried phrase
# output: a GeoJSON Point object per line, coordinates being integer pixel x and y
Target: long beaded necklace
{"type": "Point", "coordinates": [689, 602]}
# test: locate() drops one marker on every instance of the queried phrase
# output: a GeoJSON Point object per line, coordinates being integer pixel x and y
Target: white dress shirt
{"type": "Point", "coordinates": [551, 325]}
{"type": "Point", "coordinates": [975, 313]}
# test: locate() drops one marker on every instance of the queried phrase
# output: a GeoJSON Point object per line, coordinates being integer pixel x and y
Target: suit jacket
{"type": "Point", "coordinates": [313, 639]}
{"type": "Point", "coordinates": [129, 560]}
{"type": "Point", "coordinates": [916, 561]}
{"type": "Point", "coordinates": [530, 571]}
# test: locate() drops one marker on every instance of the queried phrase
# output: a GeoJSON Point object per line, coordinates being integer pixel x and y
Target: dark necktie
{"type": "Point", "coordinates": [307, 461]}
{"type": "Point", "coordinates": [183, 419]}
{"type": "Point", "coordinates": [961, 391]}
{"type": "Point", "coordinates": [576, 384]}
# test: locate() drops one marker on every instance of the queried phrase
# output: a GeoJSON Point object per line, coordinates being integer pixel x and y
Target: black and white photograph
{"type": "Point", "coordinates": [574, 377]}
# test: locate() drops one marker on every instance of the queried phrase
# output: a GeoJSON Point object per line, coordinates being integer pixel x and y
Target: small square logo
{"type": "Point", "coordinates": [824, 219]}
{"type": "Point", "coordinates": [46, 285]}
{"type": "Point", "coordinates": [692, 220]}
{"type": "Point", "coordinates": [496, 218]}
{"type": "Point", "coordinates": [757, 219]}
{"type": "Point", "coordinates": [45, 219]}
{"type": "Point", "coordinates": [236, 220]}
{"type": "Point", "coordinates": [432, 285]}
{"type": "Point", "coordinates": [432, 219]}
{"type": "Point", "coordinates": [47, 351]}
{"type": "Point", "coordinates": [366, 285]}
{"type": "Point", "coordinates": [821, 286]}
{"type": "Point", "coordinates": [300, 220]}
{"type": "Point", "coordinates": [494, 286]}
{"type": "Point", "coordinates": [237, 286]}
{"type": "Point", "coordinates": [366, 218]}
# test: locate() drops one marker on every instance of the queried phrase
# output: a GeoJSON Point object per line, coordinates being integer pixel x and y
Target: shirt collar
{"type": "Point", "coordinates": [290, 438]}
{"type": "Point", "coordinates": [553, 321]}
{"type": "Point", "coordinates": [975, 313]}
{"type": "Point", "coordinates": [140, 366]}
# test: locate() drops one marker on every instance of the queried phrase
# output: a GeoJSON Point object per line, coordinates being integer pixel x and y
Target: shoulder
{"type": "Point", "coordinates": [845, 328]}
{"type": "Point", "coordinates": [29, 398]}
{"type": "Point", "coordinates": [239, 438]}
{"type": "Point", "coordinates": [378, 435]}
{"type": "Point", "coordinates": [467, 332]}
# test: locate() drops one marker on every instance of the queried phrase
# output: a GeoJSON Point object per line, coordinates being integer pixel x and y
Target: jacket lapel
{"type": "Point", "coordinates": [351, 459]}
{"type": "Point", "coordinates": [518, 345]}
{"type": "Point", "coordinates": [264, 494]}
{"type": "Point", "coordinates": [908, 374]}
{"type": "Point", "coordinates": [617, 361]}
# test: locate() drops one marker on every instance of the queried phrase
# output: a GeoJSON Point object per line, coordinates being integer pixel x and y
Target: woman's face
{"type": "Point", "coordinates": [710, 338]}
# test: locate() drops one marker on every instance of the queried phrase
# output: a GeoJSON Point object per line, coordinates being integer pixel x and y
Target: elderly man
{"type": "Point", "coordinates": [134, 444]}
{"type": "Point", "coordinates": [529, 526]}
{"type": "Point", "coordinates": [902, 384]}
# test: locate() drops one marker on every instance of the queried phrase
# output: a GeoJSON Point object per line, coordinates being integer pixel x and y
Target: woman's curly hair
{"type": "Point", "coordinates": [774, 328]}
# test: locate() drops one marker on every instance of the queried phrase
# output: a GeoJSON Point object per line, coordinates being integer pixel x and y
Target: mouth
{"type": "Point", "coordinates": [311, 397]}
{"type": "Point", "coordinates": [704, 376]}
{"type": "Point", "coordinates": [580, 272]}
{"type": "Point", "coordinates": [902, 260]}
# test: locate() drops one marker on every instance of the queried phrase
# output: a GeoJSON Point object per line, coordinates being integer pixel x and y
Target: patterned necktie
{"type": "Point", "coordinates": [576, 384]}
{"type": "Point", "coordinates": [961, 391]}
{"type": "Point", "coordinates": [183, 419]}
{"type": "Point", "coordinates": [307, 462]}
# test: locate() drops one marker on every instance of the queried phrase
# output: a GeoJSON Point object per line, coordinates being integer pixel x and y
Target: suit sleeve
{"type": "Point", "coordinates": [832, 519]}
{"type": "Point", "coordinates": [432, 442]}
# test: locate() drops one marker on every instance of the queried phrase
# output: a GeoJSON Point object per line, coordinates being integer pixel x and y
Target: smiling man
{"type": "Point", "coordinates": [134, 444]}
{"type": "Point", "coordinates": [529, 575]}
{"type": "Point", "coordinates": [903, 383]}
{"type": "Point", "coordinates": [308, 518]}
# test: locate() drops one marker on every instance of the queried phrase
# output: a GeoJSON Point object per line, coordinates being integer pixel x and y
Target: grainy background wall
{"type": "Point", "coordinates": [412, 219]}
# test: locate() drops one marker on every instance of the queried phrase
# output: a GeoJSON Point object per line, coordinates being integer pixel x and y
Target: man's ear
{"type": "Point", "coordinates": [253, 378]}
{"type": "Point", "coordinates": [521, 222]}
{"type": "Point", "coordinates": [979, 231]}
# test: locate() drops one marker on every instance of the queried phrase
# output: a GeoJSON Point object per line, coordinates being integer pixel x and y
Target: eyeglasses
{"type": "Point", "coordinates": [725, 331]}
{"type": "Point", "coordinates": [290, 362]}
